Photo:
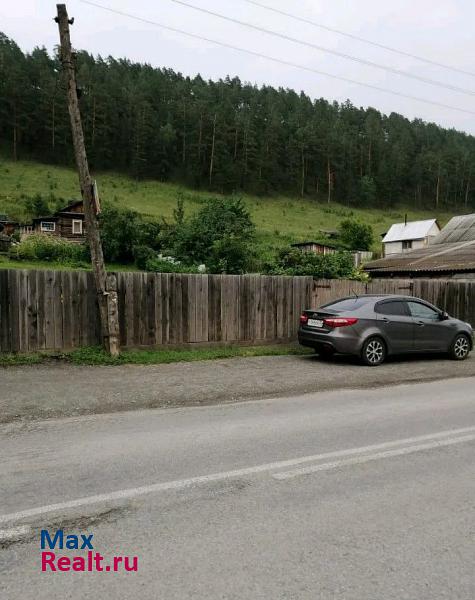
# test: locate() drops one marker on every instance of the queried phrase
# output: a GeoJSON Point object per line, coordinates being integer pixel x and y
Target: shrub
{"type": "Point", "coordinates": [123, 232]}
{"type": "Point", "coordinates": [328, 266]}
{"type": "Point", "coordinates": [160, 264]}
{"type": "Point", "coordinates": [220, 235]}
{"type": "Point", "coordinates": [120, 233]}
{"type": "Point", "coordinates": [49, 248]}
{"type": "Point", "coordinates": [142, 255]}
{"type": "Point", "coordinates": [355, 235]}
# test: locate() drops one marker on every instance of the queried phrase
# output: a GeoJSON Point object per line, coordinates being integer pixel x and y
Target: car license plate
{"type": "Point", "coordinates": [315, 323]}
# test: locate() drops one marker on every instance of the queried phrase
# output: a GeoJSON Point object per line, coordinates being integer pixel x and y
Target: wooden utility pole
{"type": "Point", "coordinates": [106, 285]}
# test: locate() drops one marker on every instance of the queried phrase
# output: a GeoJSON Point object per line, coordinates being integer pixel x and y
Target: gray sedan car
{"type": "Point", "coordinates": [374, 327]}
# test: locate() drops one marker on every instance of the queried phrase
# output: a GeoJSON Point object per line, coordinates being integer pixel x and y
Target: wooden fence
{"type": "Point", "coordinates": [56, 310]}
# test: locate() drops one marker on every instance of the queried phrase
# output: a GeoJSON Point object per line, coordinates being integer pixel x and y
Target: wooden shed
{"type": "Point", "coordinates": [314, 247]}
{"type": "Point", "coordinates": [67, 223]}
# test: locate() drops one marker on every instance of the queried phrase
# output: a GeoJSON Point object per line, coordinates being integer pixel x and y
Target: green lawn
{"type": "Point", "coordinates": [7, 263]}
{"type": "Point", "coordinates": [279, 220]}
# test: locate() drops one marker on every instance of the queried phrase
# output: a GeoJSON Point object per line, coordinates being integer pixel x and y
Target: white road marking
{"type": "Point", "coordinates": [359, 460]}
{"type": "Point", "coordinates": [13, 533]}
{"type": "Point", "coordinates": [130, 493]}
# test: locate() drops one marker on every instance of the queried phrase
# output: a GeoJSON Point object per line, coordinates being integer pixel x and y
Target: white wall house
{"type": "Point", "coordinates": [403, 237]}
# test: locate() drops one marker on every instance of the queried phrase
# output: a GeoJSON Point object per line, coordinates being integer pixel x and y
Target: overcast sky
{"type": "Point", "coordinates": [441, 30]}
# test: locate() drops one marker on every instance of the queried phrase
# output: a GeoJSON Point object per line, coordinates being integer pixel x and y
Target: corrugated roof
{"type": "Point", "coordinates": [453, 249]}
{"type": "Point", "coordinates": [458, 229]}
{"type": "Point", "coordinates": [414, 230]}
{"type": "Point", "coordinates": [458, 256]}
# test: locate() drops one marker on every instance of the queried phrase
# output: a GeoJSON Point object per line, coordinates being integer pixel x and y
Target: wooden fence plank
{"type": "Point", "coordinates": [55, 310]}
{"type": "Point", "coordinates": [164, 294]}
{"type": "Point", "coordinates": [5, 319]}
{"type": "Point", "coordinates": [68, 314]}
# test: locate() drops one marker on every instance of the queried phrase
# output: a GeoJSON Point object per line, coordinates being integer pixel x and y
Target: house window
{"type": "Point", "coordinates": [48, 226]}
{"type": "Point", "coordinates": [77, 227]}
{"type": "Point", "coordinates": [407, 245]}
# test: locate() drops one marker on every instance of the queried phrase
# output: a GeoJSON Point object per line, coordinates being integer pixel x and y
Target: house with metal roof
{"type": "Point", "coordinates": [403, 237]}
{"type": "Point", "coordinates": [450, 254]}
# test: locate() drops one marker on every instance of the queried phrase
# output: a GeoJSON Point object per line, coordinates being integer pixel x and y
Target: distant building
{"type": "Point", "coordinates": [67, 223]}
{"type": "Point", "coordinates": [314, 247]}
{"type": "Point", "coordinates": [7, 226]}
{"type": "Point", "coordinates": [403, 237]}
{"type": "Point", "coordinates": [450, 254]}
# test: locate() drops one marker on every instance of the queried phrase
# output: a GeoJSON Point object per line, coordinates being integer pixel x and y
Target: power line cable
{"type": "Point", "coordinates": [275, 59]}
{"type": "Point", "coordinates": [343, 55]}
{"type": "Point", "coordinates": [352, 36]}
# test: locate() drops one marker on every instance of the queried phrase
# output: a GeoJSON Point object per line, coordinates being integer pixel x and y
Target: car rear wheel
{"type": "Point", "coordinates": [373, 352]}
{"type": "Point", "coordinates": [460, 347]}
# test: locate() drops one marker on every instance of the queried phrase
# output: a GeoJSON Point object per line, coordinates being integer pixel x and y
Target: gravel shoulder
{"type": "Point", "coordinates": [53, 391]}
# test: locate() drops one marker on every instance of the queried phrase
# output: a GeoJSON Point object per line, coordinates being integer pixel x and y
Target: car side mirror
{"type": "Point", "coordinates": [444, 316]}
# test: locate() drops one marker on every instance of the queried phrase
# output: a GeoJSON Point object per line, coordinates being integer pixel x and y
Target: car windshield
{"type": "Point", "coordinates": [347, 304]}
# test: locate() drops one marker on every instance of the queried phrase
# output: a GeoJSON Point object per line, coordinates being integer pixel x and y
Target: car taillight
{"type": "Point", "coordinates": [340, 321]}
{"type": "Point", "coordinates": [303, 318]}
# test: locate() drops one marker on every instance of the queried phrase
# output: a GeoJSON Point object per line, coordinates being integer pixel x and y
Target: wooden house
{"type": "Point", "coordinates": [7, 226]}
{"type": "Point", "coordinates": [67, 223]}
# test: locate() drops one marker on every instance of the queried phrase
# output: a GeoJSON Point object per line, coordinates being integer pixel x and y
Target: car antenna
{"type": "Point", "coordinates": [354, 293]}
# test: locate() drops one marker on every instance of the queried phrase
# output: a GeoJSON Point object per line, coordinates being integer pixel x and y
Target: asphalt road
{"type": "Point", "coordinates": [350, 494]}
{"type": "Point", "coordinates": [50, 391]}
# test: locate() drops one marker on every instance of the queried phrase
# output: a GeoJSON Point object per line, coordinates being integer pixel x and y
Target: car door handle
{"type": "Point", "coordinates": [420, 323]}
{"type": "Point", "coordinates": [385, 320]}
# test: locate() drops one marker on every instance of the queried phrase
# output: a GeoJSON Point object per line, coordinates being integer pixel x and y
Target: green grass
{"type": "Point", "coordinates": [279, 220]}
{"type": "Point", "coordinates": [8, 263]}
{"type": "Point", "coordinates": [97, 356]}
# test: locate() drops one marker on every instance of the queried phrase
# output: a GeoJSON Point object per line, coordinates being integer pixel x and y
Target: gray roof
{"type": "Point", "coordinates": [458, 256]}
{"type": "Point", "coordinates": [453, 249]}
{"type": "Point", "coordinates": [458, 229]}
{"type": "Point", "coordinates": [413, 230]}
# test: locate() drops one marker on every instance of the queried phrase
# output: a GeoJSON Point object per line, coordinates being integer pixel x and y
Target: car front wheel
{"type": "Point", "coordinates": [460, 347]}
{"type": "Point", "coordinates": [373, 352]}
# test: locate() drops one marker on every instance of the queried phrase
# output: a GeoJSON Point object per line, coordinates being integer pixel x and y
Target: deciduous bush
{"type": "Point", "coordinates": [220, 235]}
{"type": "Point", "coordinates": [328, 266]}
{"type": "Point", "coordinates": [355, 235]}
{"type": "Point", "coordinates": [125, 235]}
{"type": "Point", "coordinates": [50, 248]}
{"type": "Point", "coordinates": [120, 233]}
{"type": "Point", "coordinates": [167, 265]}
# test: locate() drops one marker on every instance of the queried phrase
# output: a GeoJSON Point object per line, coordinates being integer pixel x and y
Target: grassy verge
{"type": "Point", "coordinates": [8, 263]}
{"type": "Point", "coordinates": [97, 356]}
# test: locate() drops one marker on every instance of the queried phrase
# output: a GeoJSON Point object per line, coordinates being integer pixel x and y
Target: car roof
{"type": "Point", "coordinates": [379, 297]}
{"type": "Point", "coordinates": [376, 297]}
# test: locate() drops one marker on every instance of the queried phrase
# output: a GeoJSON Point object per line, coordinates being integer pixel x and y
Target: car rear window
{"type": "Point", "coordinates": [347, 304]}
{"type": "Point", "coordinates": [392, 307]}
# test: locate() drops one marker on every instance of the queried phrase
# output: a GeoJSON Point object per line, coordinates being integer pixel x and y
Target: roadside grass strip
{"type": "Point", "coordinates": [98, 356]}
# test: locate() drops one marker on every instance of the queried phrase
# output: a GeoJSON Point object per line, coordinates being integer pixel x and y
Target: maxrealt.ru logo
{"type": "Point", "coordinates": [90, 560]}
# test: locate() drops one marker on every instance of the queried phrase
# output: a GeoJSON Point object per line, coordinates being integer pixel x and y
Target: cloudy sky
{"type": "Point", "coordinates": [440, 30]}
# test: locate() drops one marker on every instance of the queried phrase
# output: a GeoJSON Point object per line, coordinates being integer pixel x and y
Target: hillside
{"type": "Point", "coordinates": [279, 220]}
{"type": "Point", "coordinates": [227, 135]}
